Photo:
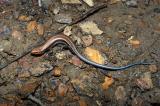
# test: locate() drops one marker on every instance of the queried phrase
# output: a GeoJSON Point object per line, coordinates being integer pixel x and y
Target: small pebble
{"type": "Point", "coordinates": [67, 31]}
{"type": "Point", "coordinates": [94, 55]}
{"type": "Point", "coordinates": [131, 3]}
{"type": "Point", "coordinates": [107, 82]}
{"type": "Point", "coordinates": [76, 61]}
{"type": "Point", "coordinates": [17, 34]}
{"type": "Point", "coordinates": [153, 68]}
{"type": "Point", "coordinates": [40, 29]}
{"type": "Point", "coordinates": [31, 26]}
{"type": "Point", "coordinates": [62, 89]}
{"type": "Point", "coordinates": [87, 40]}
{"type": "Point", "coordinates": [60, 55]}
{"type": "Point", "coordinates": [82, 102]}
{"type": "Point", "coordinates": [56, 72]}
{"type": "Point", "coordinates": [120, 93]}
{"type": "Point", "coordinates": [24, 74]}
{"type": "Point", "coordinates": [63, 18]}
{"type": "Point", "coordinates": [24, 18]}
{"type": "Point", "coordinates": [71, 1]}
{"type": "Point", "coordinates": [145, 82]}
{"type": "Point", "coordinates": [41, 68]}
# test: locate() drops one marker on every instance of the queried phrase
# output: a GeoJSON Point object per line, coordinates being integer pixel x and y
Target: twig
{"type": "Point", "coordinates": [84, 16]}
{"type": "Point", "coordinates": [77, 20]}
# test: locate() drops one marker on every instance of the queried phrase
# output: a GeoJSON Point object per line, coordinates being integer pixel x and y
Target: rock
{"type": "Point", "coordinates": [71, 1]}
{"type": "Point", "coordinates": [46, 3]}
{"type": "Point", "coordinates": [76, 61]}
{"type": "Point", "coordinates": [62, 89]}
{"type": "Point", "coordinates": [56, 72]}
{"type": "Point", "coordinates": [47, 22]}
{"type": "Point", "coordinates": [107, 82]}
{"type": "Point", "coordinates": [120, 93]}
{"type": "Point", "coordinates": [110, 20]}
{"type": "Point", "coordinates": [91, 28]}
{"type": "Point", "coordinates": [29, 86]}
{"type": "Point", "coordinates": [145, 82]}
{"type": "Point", "coordinates": [65, 79]}
{"type": "Point", "coordinates": [53, 82]}
{"type": "Point", "coordinates": [40, 29]}
{"type": "Point", "coordinates": [131, 3]}
{"type": "Point", "coordinates": [49, 95]}
{"type": "Point", "coordinates": [82, 103]}
{"type": "Point", "coordinates": [137, 102]}
{"type": "Point", "coordinates": [94, 55]}
{"type": "Point", "coordinates": [89, 2]}
{"type": "Point", "coordinates": [152, 96]}
{"type": "Point", "coordinates": [77, 39]}
{"type": "Point", "coordinates": [4, 30]}
{"type": "Point", "coordinates": [87, 40]}
{"type": "Point", "coordinates": [23, 74]}
{"type": "Point", "coordinates": [63, 18]}
{"type": "Point", "coordinates": [85, 82]}
{"type": "Point", "coordinates": [56, 10]}
{"type": "Point", "coordinates": [31, 26]}
{"type": "Point", "coordinates": [60, 55]}
{"type": "Point", "coordinates": [134, 42]}
{"type": "Point", "coordinates": [153, 68]}
{"type": "Point", "coordinates": [24, 18]}
{"type": "Point", "coordinates": [156, 10]}
{"type": "Point", "coordinates": [5, 45]}
{"type": "Point", "coordinates": [67, 31]}
{"type": "Point", "coordinates": [41, 68]}
{"type": "Point", "coordinates": [17, 35]}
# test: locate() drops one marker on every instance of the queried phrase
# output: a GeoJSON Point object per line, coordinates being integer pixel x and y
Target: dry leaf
{"type": "Point", "coordinates": [94, 55]}
{"type": "Point", "coordinates": [108, 81]}
{"type": "Point", "coordinates": [90, 28]}
{"type": "Point", "coordinates": [31, 26]}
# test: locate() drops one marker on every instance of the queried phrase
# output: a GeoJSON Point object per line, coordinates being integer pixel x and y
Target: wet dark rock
{"type": "Point", "coordinates": [152, 96]}
{"type": "Point", "coordinates": [157, 10]}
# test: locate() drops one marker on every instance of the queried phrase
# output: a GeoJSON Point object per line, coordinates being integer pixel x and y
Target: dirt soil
{"type": "Point", "coordinates": [131, 33]}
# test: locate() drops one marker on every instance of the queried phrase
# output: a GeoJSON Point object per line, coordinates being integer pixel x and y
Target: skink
{"type": "Point", "coordinates": [65, 39]}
